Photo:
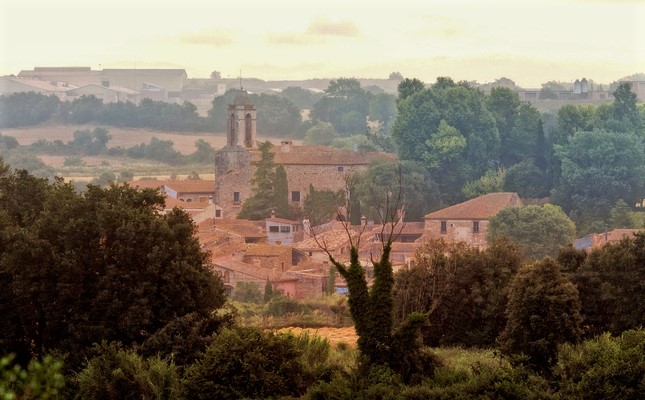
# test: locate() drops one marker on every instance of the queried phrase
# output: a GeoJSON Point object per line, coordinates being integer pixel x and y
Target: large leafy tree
{"type": "Point", "coordinates": [543, 311]}
{"type": "Point", "coordinates": [625, 109]}
{"type": "Point", "coordinates": [539, 231]}
{"type": "Point", "coordinates": [345, 105]}
{"type": "Point", "coordinates": [463, 291]}
{"type": "Point", "coordinates": [598, 169]}
{"type": "Point", "coordinates": [382, 179]}
{"type": "Point", "coordinates": [611, 281]}
{"type": "Point", "coordinates": [449, 127]}
{"type": "Point", "coordinates": [278, 114]}
{"type": "Point", "coordinates": [105, 264]}
{"type": "Point", "coordinates": [321, 206]}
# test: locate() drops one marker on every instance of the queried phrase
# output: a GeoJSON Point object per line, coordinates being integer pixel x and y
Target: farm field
{"type": "Point", "coordinates": [184, 142]}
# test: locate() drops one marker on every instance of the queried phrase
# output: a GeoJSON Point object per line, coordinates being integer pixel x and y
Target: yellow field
{"type": "Point", "coordinates": [345, 335]}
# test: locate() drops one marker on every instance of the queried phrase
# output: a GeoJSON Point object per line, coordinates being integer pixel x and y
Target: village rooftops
{"type": "Point", "coordinates": [288, 154]}
{"type": "Point", "coordinates": [191, 186]}
{"type": "Point", "coordinates": [483, 207]}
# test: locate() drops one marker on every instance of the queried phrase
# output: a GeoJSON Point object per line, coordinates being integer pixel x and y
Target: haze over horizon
{"type": "Point", "coordinates": [531, 42]}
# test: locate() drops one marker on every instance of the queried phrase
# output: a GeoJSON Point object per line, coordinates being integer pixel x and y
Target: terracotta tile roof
{"type": "Point", "coordinates": [406, 228]}
{"type": "Point", "coordinates": [334, 239]}
{"type": "Point", "coordinates": [483, 207]}
{"type": "Point", "coordinates": [193, 186]}
{"type": "Point", "coordinates": [233, 264]}
{"type": "Point", "coordinates": [620, 233]}
{"type": "Point", "coordinates": [242, 227]}
{"type": "Point", "coordinates": [321, 155]}
{"type": "Point", "coordinates": [265, 250]}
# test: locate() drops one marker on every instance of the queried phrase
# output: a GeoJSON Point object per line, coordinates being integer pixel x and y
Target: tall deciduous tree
{"type": "Point", "coordinates": [598, 169]}
{"type": "Point", "coordinates": [454, 120]}
{"type": "Point", "coordinates": [321, 206]}
{"type": "Point", "coordinates": [539, 231]}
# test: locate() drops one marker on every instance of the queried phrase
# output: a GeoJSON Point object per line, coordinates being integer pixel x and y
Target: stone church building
{"type": "Point", "coordinates": [324, 167]}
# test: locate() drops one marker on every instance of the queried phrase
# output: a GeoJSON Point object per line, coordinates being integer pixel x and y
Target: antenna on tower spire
{"type": "Point", "coordinates": [241, 88]}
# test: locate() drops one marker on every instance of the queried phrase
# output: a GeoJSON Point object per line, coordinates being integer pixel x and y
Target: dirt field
{"type": "Point", "coordinates": [125, 137]}
{"type": "Point", "coordinates": [334, 335]}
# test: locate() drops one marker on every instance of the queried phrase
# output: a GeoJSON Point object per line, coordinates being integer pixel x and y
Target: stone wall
{"type": "Point", "coordinates": [458, 231]}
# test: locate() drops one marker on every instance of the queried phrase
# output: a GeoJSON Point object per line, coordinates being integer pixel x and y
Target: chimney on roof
{"type": "Point", "coordinates": [363, 220]}
{"type": "Point", "coordinates": [272, 214]}
{"type": "Point", "coordinates": [285, 146]}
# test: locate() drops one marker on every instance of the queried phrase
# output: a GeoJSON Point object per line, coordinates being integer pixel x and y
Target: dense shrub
{"type": "Point", "coordinates": [246, 363]}
{"type": "Point", "coordinates": [119, 374]}
{"type": "Point", "coordinates": [543, 311]}
{"type": "Point", "coordinates": [605, 367]}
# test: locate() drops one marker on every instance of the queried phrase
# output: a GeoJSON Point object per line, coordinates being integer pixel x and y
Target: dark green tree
{"type": "Point", "coordinates": [270, 190]}
{"type": "Point", "coordinates": [539, 231]}
{"type": "Point", "coordinates": [27, 108]}
{"type": "Point", "coordinates": [598, 169]}
{"type": "Point", "coordinates": [321, 206]}
{"type": "Point", "coordinates": [625, 109]}
{"type": "Point", "coordinates": [345, 105]}
{"type": "Point", "coordinates": [78, 268]}
{"type": "Point", "coordinates": [543, 311]}
{"type": "Point", "coordinates": [246, 363]}
{"type": "Point", "coordinates": [450, 129]}
{"type": "Point", "coordinates": [408, 87]}
{"type": "Point", "coordinates": [373, 186]}
{"type": "Point", "coordinates": [463, 291]}
{"type": "Point", "coordinates": [372, 309]}
{"type": "Point", "coordinates": [611, 281]}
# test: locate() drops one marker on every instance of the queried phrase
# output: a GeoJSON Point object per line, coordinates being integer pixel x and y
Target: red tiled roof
{"type": "Point", "coordinates": [483, 207]}
{"type": "Point", "coordinates": [321, 155]}
{"type": "Point", "coordinates": [243, 227]}
{"type": "Point", "coordinates": [265, 250]}
{"type": "Point", "coordinates": [405, 228]}
{"type": "Point", "coordinates": [193, 186]}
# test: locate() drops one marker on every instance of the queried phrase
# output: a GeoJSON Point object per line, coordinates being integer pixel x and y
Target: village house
{"type": "Point", "coordinates": [468, 221]}
{"type": "Point", "coordinates": [283, 231]}
{"type": "Point", "coordinates": [597, 240]}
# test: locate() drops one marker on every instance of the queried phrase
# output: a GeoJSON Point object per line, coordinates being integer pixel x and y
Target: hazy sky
{"type": "Point", "coordinates": [529, 41]}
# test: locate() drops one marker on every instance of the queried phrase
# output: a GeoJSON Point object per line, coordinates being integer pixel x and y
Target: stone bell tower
{"type": "Point", "coordinates": [241, 129]}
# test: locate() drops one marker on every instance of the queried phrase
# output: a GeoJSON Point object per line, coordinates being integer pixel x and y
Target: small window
{"type": "Point", "coordinates": [295, 196]}
{"type": "Point", "coordinates": [341, 169]}
{"type": "Point", "coordinates": [444, 227]}
{"type": "Point", "coordinates": [475, 226]}
{"type": "Point", "coordinates": [285, 229]}
{"type": "Point", "coordinates": [236, 196]}
{"type": "Point", "coordinates": [218, 213]}
{"type": "Point", "coordinates": [274, 228]}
